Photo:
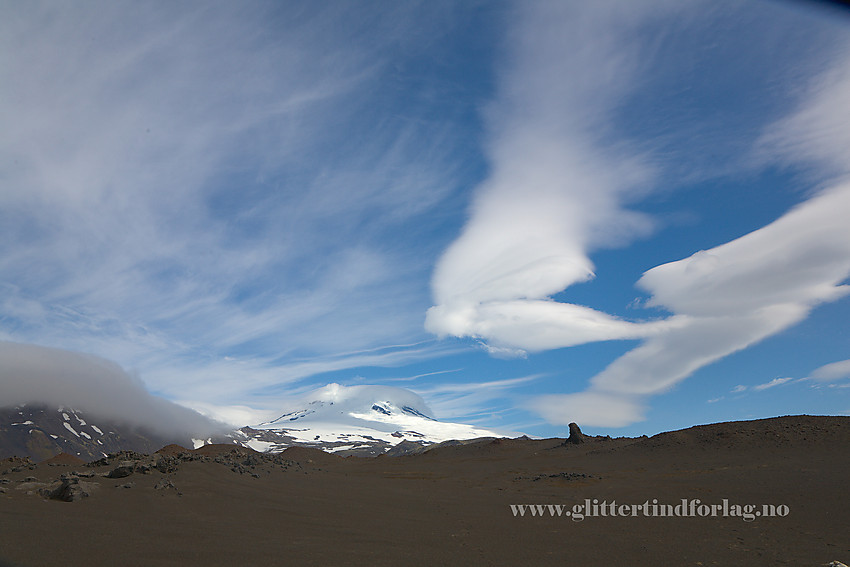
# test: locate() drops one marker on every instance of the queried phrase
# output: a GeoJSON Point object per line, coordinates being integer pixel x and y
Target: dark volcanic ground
{"type": "Point", "coordinates": [449, 506]}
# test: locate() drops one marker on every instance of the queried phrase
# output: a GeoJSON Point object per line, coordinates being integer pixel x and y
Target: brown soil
{"type": "Point", "coordinates": [172, 449]}
{"type": "Point", "coordinates": [64, 459]}
{"type": "Point", "coordinates": [451, 505]}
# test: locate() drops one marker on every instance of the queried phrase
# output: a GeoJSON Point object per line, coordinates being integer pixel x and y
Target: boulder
{"type": "Point", "coordinates": [167, 464]}
{"type": "Point", "coordinates": [71, 489]}
{"type": "Point", "coordinates": [124, 469]}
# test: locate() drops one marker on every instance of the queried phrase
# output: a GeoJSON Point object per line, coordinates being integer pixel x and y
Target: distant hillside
{"type": "Point", "coordinates": [41, 432]}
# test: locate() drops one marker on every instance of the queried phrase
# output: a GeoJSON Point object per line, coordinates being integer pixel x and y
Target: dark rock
{"type": "Point", "coordinates": [406, 447]}
{"type": "Point", "coordinates": [71, 489]}
{"type": "Point", "coordinates": [559, 476]}
{"type": "Point", "coordinates": [167, 464]}
{"type": "Point", "coordinates": [164, 484]}
{"type": "Point", "coordinates": [576, 436]}
{"type": "Point", "coordinates": [124, 469]}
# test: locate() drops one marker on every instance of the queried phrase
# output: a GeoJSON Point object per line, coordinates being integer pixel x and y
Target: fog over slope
{"type": "Point", "coordinates": [31, 374]}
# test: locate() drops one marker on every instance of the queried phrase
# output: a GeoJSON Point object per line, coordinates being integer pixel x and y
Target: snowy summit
{"type": "Point", "coordinates": [347, 418]}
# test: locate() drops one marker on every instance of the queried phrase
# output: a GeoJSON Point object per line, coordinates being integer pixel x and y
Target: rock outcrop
{"type": "Point", "coordinates": [576, 436]}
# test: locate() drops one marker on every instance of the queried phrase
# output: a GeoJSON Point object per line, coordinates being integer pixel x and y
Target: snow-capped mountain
{"type": "Point", "coordinates": [357, 420]}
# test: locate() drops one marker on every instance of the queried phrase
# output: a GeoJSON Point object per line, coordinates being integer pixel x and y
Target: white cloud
{"type": "Point", "coordinates": [738, 389]}
{"type": "Point", "coordinates": [739, 293]}
{"type": "Point", "coordinates": [236, 416]}
{"type": "Point", "coordinates": [555, 189]}
{"type": "Point", "coordinates": [596, 409]}
{"type": "Point", "coordinates": [535, 325]}
{"type": "Point", "coordinates": [832, 371]}
{"type": "Point", "coordinates": [663, 361]}
{"type": "Point", "coordinates": [800, 259]}
{"type": "Point", "coordinates": [772, 384]}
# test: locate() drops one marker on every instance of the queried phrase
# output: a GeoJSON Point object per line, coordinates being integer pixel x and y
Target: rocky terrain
{"type": "Point", "coordinates": [452, 504]}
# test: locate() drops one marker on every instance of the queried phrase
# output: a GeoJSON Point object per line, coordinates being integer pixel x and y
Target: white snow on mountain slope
{"type": "Point", "coordinates": [349, 416]}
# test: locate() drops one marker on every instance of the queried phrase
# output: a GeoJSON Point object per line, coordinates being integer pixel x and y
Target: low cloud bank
{"type": "Point", "coordinates": [31, 374]}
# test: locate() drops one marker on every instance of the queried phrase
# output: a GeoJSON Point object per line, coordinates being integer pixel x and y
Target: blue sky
{"type": "Point", "coordinates": [631, 215]}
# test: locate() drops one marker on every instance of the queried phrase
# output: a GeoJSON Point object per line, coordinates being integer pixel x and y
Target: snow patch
{"type": "Point", "coordinates": [96, 429]}
{"type": "Point", "coordinates": [346, 447]}
{"type": "Point", "coordinates": [259, 446]}
{"type": "Point", "coordinates": [71, 429]}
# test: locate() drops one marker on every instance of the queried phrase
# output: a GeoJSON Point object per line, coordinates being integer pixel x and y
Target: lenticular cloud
{"type": "Point", "coordinates": [727, 299]}
{"type": "Point", "coordinates": [554, 192]}
{"type": "Point", "coordinates": [555, 188]}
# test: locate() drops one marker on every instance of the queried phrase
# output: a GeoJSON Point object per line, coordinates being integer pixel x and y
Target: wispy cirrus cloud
{"type": "Point", "coordinates": [188, 183]}
{"type": "Point", "coordinates": [772, 384]}
{"type": "Point", "coordinates": [816, 134]}
{"type": "Point", "coordinates": [740, 388]}
{"type": "Point", "coordinates": [471, 401]}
